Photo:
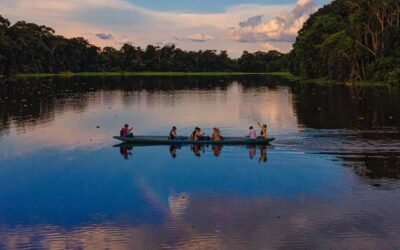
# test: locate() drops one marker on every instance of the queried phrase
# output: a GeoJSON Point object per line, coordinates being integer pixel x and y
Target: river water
{"type": "Point", "coordinates": [331, 180]}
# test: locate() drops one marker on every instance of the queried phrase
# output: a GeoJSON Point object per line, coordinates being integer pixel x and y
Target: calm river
{"type": "Point", "coordinates": [331, 180]}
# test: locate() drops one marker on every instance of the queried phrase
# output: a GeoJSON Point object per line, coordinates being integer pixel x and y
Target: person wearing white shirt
{"type": "Point", "coordinates": [252, 133]}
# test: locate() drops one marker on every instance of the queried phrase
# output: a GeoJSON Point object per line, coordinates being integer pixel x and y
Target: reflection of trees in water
{"type": "Point", "coordinates": [375, 167]}
{"type": "Point", "coordinates": [31, 101]}
{"type": "Point", "coordinates": [341, 106]}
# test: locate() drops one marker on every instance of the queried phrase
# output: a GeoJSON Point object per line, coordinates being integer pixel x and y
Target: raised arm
{"type": "Point", "coordinates": [260, 125]}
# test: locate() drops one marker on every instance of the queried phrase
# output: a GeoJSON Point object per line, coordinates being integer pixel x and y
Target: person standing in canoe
{"type": "Point", "coordinates": [252, 133]}
{"type": "Point", "coordinates": [263, 131]}
{"type": "Point", "coordinates": [126, 131]}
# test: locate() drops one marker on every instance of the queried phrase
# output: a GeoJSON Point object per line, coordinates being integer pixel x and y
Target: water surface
{"type": "Point", "coordinates": [330, 180]}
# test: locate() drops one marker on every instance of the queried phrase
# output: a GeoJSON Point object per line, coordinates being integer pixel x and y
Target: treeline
{"type": "Point", "coordinates": [30, 48]}
{"type": "Point", "coordinates": [350, 40]}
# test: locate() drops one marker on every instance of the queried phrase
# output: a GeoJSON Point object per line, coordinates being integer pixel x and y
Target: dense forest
{"type": "Point", "coordinates": [350, 40]}
{"type": "Point", "coordinates": [346, 40]}
{"type": "Point", "coordinates": [30, 48]}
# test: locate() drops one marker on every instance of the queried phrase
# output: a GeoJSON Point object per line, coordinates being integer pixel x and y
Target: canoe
{"type": "Point", "coordinates": [163, 140]}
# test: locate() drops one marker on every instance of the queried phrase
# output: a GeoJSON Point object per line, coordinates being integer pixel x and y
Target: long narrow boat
{"type": "Point", "coordinates": [186, 140]}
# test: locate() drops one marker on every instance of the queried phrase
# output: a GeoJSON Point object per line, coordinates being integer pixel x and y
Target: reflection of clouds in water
{"type": "Point", "coordinates": [104, 237]}
{"type": "Point", "coordinates": [91, 237]}
{"type": "Point", "coordinates": [74, 120]}
{"type": "Point", "coordinates": [225, 221]}
{"type": "Point", "coordinates": [178, 204]}
{"type": "Point", "coordinates": [273, 107]}
{"type": "Point", "coordinates": [66, 132]}
{"type": "Point", "coordinates": [232, 110]}
{"type": "Point", "coordinates": [300, 199]}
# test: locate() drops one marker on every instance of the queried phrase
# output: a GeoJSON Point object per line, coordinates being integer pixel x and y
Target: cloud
{"type": "Point", "coordinates": [124, 40]}
{"type": "Point", "coordinates": [105, 36]}
{"type": "Point", "coordinates": [268, 46]}
{"type": "Point", "coordinates": [282, 28]}
{"type": "Point", "coordinates": [165, 43]}
{"type": "Point", "coordinates": [252, 21]}
{"type": "Point", "coordinates": [197, 37]}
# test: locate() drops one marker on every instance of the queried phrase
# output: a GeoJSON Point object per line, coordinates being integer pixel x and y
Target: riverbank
{"type": "Point", "coordinates": [71, 74]}
{"type": "Point", "coordinates": [291, 77]}
{"type": "Point", "coordinates": [282, 74]}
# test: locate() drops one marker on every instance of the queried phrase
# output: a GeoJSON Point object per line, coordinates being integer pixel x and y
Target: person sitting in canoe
{"type": "Point", "coordinates": [126, 131]}
{"type": "Point", "coordinates": [216, 136]}
{"type": "Point", "coordinates": [173, 136]}
{"type": "Point", "coordinates": [193, 135]}
{"type": "Point", "coordinates": [263, 131]}
{"type": "Point", "coordinates": [252, 133]}
{"type": "Point", "coordinates": [198, 136]}
{"type": "Point", "coordinates": [172, 133]}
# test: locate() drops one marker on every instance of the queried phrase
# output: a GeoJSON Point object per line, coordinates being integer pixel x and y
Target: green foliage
{"type": "Point", "coordinates": [263, 61]}
{"type": "Point", "coordinates": [28, 48]}
{"type": "Point", "coordinates": [350, 40]}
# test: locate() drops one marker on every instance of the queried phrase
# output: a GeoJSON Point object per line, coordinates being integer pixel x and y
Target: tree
{"type": "Point", "coordinates": [31, 48]}
{"type": "Point", "coordinates": [349, 40]}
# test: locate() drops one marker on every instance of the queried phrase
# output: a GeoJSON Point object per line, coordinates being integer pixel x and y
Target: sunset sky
{"type": "Point", "coordinates": [232, 25]}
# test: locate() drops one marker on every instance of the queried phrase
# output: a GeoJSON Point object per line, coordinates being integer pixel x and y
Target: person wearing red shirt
{"type": "Point", "coordinates": [126, 131]}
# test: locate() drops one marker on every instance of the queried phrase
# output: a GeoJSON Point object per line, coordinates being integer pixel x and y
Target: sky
{"type": "Point", "coordinates": [232, 25]}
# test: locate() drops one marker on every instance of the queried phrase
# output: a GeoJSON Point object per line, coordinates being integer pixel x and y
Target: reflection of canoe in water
{"type": "Point", "coordinates": [186, 140]}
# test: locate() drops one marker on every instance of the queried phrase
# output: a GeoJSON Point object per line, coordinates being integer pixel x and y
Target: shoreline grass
{"type": "Point", "coordinates": [71, 74]}
{"type": "Point", "coordinates": [322, 81]}
{"type": "Point", "coordinates": [290, 76]}
{"type": "Point", "coordinates": [282, 74]}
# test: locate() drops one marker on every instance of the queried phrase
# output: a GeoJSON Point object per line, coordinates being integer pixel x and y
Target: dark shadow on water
{"type": "Point", "coordinates": [342, 106]}
{"type": "Point", "coordinates": [377, 169]}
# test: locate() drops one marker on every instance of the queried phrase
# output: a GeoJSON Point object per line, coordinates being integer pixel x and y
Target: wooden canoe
{"type": "Point", "coordinates": [163, 140]}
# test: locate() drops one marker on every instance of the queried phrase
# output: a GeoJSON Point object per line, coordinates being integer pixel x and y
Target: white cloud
{"type": "Point", "coordinates": [283, 27]}
{"type": "Point", "coordinates": [268, 46]}
{"type": "Point", "coordinates": [165, 43]}
{"type": "Point", "coordinates": [124, 40]}
{"type": "Point", "coordinates": [197, 37]}
{"type": "Point", "coordinates": [252, 21]}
